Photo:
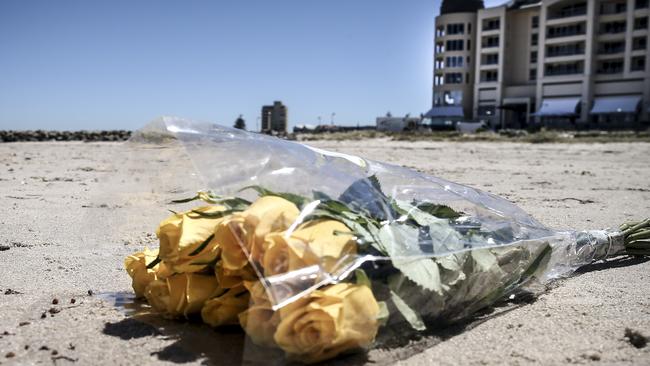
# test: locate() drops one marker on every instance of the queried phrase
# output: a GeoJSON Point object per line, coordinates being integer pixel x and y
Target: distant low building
{"type": "Point", "coordinates": [398, 124]}
{"type": "Point", "coordinates": [274, 118]}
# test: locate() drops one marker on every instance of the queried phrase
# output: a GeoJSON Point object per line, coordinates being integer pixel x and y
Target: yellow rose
{"type": "Point", "coordinates": [247, 229]}
{"type": "Point", "coordinates": [182, 294]}
{"type": "Point", "coordinates": [187, 242]}
{"type": "Point", "coordinates": [225, 309]}
{"type": "Point", "coordinates": [259, 320]}
{"type": "Point", "coordinates": [320, 242]}
{"type": "Point", "coordinates": [141, 276]}
{"type": "Point", "coordinates": [233, 278]}
{"type": "Point", "coordinates": [327, 322]}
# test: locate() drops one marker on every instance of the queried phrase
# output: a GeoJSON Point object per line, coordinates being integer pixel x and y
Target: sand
{"type": "Point", "coordinates": [73, 211]}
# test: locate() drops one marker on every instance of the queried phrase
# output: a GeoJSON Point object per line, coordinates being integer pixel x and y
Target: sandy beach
{"type": "Point", "coordinates": [72, 211]}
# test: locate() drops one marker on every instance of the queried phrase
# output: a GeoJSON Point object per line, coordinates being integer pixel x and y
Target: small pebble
{"type": "Point", "coordinates": [44, 348]}
{"type": "Point", "coordinates": [55, 352]}
{"type": "Point", "coordinates": [90, 292]}
{"type": "Point", "coordinates": [23, 324]}
{"type": "Point", "coordinates": [26, 347]}
{"type": "Point", "coordinates": [55, 301]}
{"type": "Point", "coordinates": [72, 301]}
{"type": "Point", "coordinates": [44, 315]}
{"type": "Point", "coordinates": [10, 354]}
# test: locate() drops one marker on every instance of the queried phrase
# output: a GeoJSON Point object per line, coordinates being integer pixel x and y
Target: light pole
{"type": "Point", "coordinates": [332, 118]}
{"type": "Point", "coordinates": [257, 124]}
{"type": "Point", "coordinates": [320, 120]}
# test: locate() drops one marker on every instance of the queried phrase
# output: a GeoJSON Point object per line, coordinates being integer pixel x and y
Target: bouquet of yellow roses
{"type": "Point", "coordinates": [319, 250]}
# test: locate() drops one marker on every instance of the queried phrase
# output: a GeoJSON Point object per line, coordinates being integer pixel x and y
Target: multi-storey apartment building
{"type": "Point", "coordinates": [274, 118]}
{"type": "Point", "coordinates": [564, 63]}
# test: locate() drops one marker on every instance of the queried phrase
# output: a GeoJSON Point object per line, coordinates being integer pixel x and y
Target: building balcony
{"type": "Point", "coordinates": [567, 58]}
{"type": "Point", "coordinates": [567, 39]}
{"type": "Point", "coordinates": [491, 32]}
{"type": "Point", "coordinates": [565, 52]}
{"type": "Point", "coordinates": [489, 67]}
{"type": "Point", "coordinates": [574, 68]}
{"type": "Point", "coordinates": [572, 19]}
{"type": "Point", "coordinates": [611, 50]}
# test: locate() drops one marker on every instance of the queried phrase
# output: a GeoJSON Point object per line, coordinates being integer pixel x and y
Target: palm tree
{"type": "Point", "coordinates": [240, 123]}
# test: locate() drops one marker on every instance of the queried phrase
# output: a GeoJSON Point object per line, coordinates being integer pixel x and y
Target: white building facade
{"type": "Point", "coordinates": [561, 63]}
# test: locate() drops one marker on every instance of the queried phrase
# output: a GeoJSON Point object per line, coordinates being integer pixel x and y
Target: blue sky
{"type": "Point", "coordinates": [75, 64]}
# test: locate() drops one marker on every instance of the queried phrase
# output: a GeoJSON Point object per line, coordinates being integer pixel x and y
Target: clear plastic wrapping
{"type": "Point", "coordinates": [313, 253]}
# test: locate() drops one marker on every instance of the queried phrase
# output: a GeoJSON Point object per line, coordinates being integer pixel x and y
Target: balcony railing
{"type": "Point", "coordinates": [566, 69]}
{"type": "Point", "coordinates": [565, 52]}
{"type": "Point", "coordinates": [570, 11]}
{"type": "Point", "coordinates": [613, 28]}
{"type": "Point", "coordinates": [611, 48]}
{"type": "Point", "coordinates": [565, 31]}
{"type": "Point", "coordinates": [610, 70]}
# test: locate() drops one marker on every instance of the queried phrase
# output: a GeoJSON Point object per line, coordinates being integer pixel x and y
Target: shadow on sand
{"type": "Point", "coordinates": [194, 341]}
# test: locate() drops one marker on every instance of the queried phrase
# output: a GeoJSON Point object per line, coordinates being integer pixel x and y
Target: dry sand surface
{"type": "Point", "coordinates": [72, 211]}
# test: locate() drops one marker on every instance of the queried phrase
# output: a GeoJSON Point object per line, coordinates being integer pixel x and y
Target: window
{"type": "Point", "coordinates": [469, 45]}
{"type": "Point", "coordinates": [467, 78]}
{"type": "Point", "coordinates": [533, 57]}
{"type": "Point", "coordinates": [440, 47]}
{"type": "Point", "coordinates": [613, 27]}
{"type": "Point", "coordinates": [491, 24]}
{"type": "Point", "coordinates": [532, 75]}
{"type": "Point", "coordinates": [567, 68]}
{"type": "Point", "coordinates": [613, 7]}
{"type": "Point", "coordinates": [469, 60]}
{"type": "Point", "coordinates": [438, 80]}
{"type": "Point", "coordinates": [447, 98]}
{"type": "Point", "coordinates": [535, 22]}
{"type": "Point", "coordinates": [534, 39]}
{"type": "Point", "coordinates": [610, 67]}
{"type": "Point", "coordinates": [439, 64]}
{"type": "Point", "coordinates": [639, 43]}
{"type": "Point", "coordinates": [568, 11]}
{"type": "Point", "coordinates": [568, 49]}
{"type": "Point", "coordinates": [458, 28]}
{"type": "Point", "coordinates": [641, 4]}
{"type": "Point", "coordinates": [566, 30]}
{"type": "Point", "coordinates": [641, 23]}
{"type": "Point", "coordinates": [440, 31]}
{"type": "Point", "coordinates": [486, 110]}
{"type": "Point", "coordinates": [455, 61]}
{"type": "Point", "coordinates": [469, 28]}
{"type": "Point", "coordinates": [638, 63]}
{"type": "Point", "coordinates": [454, 78]}
{"type": "Point", "coordinates": [489, 42]}
{"type": "Point", "coordinates": [489, 76]}
{"type": "Point", "coordinates": [455, 45]}
{"type": "Point", "coordinates": [491, 59]}
{"type": "Point", "coordinates": [611, 48]}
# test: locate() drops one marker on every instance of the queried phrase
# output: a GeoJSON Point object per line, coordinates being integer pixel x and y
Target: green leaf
{"type": "Point", "coordinates": [297, 200]}
{"type": "Point", "coordinates": [409, 314]}
{"type": "Point", "coordinates": [375, 184]}
{"type": "Point", "coordinates": [202, 246]}
{"type": "Point", "coordinates": [440, 211]}
{"type": "Point", "coordinates": [213, 215]}
{"type": "Point", "coordinates": [384, 314]}
{"type": "Point", "coordinates": [401, 243]}
{"type": "Point", "coordinates": [153, 263]}
{"type": "Point", "coordinates": [186, 200]}
{"type": "Point", "coordinates": [362, 278]}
